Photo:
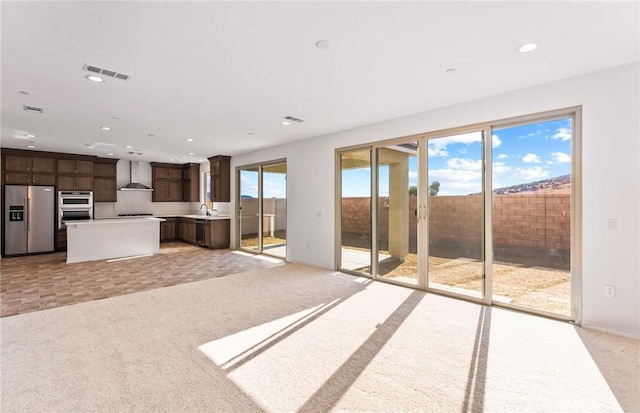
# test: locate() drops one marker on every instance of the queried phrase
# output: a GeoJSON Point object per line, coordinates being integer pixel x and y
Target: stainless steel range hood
{"type": "Point", "coordinates": [134, 181]}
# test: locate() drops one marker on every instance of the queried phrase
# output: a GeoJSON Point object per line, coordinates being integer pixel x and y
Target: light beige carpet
{"type": "Point", "coordinates": [297, 338]}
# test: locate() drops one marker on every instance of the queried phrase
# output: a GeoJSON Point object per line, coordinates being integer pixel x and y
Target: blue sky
{"type": "Point", "coordinates": [275, 184]}
{"type": "Point", "coordinates": [521, 154]}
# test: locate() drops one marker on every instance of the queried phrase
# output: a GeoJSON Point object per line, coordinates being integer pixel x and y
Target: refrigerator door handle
{"type": "Point", "coordinates": [26, 213]}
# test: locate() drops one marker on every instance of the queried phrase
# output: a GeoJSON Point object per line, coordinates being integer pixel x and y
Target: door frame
{"type": "Point", "coordinates": [574, 113]}
{"type": "Point", "coordinates": [238, 242]}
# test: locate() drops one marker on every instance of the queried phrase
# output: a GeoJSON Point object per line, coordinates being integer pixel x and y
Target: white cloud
{"type": "Point", "coordinates": [495, 140]}
{"type": "Point", "coordinates": [560, 157]}
{"type": "Point", "coordinates": [531, 158]}
{"type": "Point", "coordinates": [463, 150]}
{"type": "Point", "coordinates": [437, 149]}
{"type": "Point", "coordinates": [466, 138]}
{"type": "Point", "coordinates": [502, 156]}
{"type": "Point", "coordinates": [457, 181]}
{"type": "Point", "coordinates": [530, 174]}
{"type": "Point", "coordinates": [464, 163]}
{"type": "Point", "coordinates": [438, 146]}
{"type": "Point", "coordinates": [563, 134]}
{"type": "Point", "coordinates": [500, 168]}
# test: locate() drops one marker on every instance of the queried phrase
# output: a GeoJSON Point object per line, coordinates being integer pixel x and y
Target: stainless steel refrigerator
{"type": "Point", "coordinates": [29, 224]}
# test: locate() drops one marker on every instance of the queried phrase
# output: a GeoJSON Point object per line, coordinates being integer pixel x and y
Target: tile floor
{"type": "Point", "coordinates": [38, 282]}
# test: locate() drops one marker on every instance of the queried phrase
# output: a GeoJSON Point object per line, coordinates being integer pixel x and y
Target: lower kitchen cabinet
{"type": "Point", "coordinates": [217, 233]}
{"type": "Point", "coordinates": [62, 239]}
{"type": "Point", "coordinates": [168, 230]}
{"type": "Point", "coordinates": [187, 230]}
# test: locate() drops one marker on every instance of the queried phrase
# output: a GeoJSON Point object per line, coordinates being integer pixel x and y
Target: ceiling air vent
{"type": "Point", "coordinates": [32, 109]}
{"type": "Point", "coordinates": [292, 119]}
{"type": "Point", "coordinates": [106, 72]}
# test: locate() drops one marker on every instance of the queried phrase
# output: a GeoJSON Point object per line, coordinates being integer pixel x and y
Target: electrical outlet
{"type": "Point", "coordinates": [609, 291]}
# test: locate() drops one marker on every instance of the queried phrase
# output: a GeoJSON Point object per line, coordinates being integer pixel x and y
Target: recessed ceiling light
{"type": "Point", "coordinates": [200, 160]}
{"type": "Point", "coordinates": [285, 123]}
{"type": "Point", "coordinates": [31, 146]}
{"type": "Point", "coordinates": [323, 44]}
{"type": "Point", "coordinates": [451, 70]}
{"type": "Point", "coordinates": [94, 78]}
{"type": "Point", "coordinates": [23, 92]}
{"type": "Point", "coordinates": [189, 140]}
{"type": "Point", "coordinates": [191, 153]}
{"type": "Point", "coordinates": [110, 154]}
{"type": "Point", "coordinates": [30, 135]}
{"type": "Point", "coordinates": [171, 159]}
{"type": "Point", "coordinates": [116, 118]}
{"type": "Point", "coordinates": [151, 134]}
{"type": "Point", "coordinates": [128, 146]}
{"type": "Point", "coordinates": [105, 128]}
{"type": "Point", "coordinates": [529, 47]}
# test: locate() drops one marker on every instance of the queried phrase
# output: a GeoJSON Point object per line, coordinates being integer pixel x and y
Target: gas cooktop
{"type": "Point", "coordinates": [135, 215]}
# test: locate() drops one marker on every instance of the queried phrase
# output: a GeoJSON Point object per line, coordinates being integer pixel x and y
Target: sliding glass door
{"type": "Point", "coordinates": [486, 213]}
{"type": "Point", "coordinates": [532, 219]}
{"type": "Point", "coordinates": [355, 206]}
{"type": "Point", "coordinates": [456, 214]}
{"type": "Point", "coordinates": [249, 208]}
{"type": "Point", "coordinates": [397, 207]}
{"type": "Point", "coordinates": [274, 209]}
{"type": "Point", "coordinates": [262, 208]}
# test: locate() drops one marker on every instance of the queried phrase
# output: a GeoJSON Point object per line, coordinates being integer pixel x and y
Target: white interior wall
{"type": "Point", "coordinates": [610, 176]}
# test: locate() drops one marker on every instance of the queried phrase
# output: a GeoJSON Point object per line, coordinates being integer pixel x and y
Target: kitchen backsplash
{"type": "Point", "coordinates": [222, 208]}
{"type": "Point", "coordinates": [138, 202]}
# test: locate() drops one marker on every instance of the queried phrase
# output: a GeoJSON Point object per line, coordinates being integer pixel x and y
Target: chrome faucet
{"type": "Point", "coordinates": [206, 209]}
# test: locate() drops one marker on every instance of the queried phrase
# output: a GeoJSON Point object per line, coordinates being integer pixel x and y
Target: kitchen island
{"type": "Point", "coordinates": [108, 238]}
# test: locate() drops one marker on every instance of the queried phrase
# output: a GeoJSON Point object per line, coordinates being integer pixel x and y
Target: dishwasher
{"type": "Point", "coordinates": [200, 232]}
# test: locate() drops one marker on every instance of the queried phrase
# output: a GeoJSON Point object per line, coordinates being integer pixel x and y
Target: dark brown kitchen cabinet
{"type": "Point", "coordinates": [75, 167]}
{"type": "Point", "coordinates": [167, 182]}
{"type": "Point", "coordinates": [187, 230]}
{"type": "Point", "coordinates": [217, 233]}
{"type": "Point", "coordinates": [29, 170]}
{"type": "Point", "coordinates": [191, 182]}
{"type": "Point", "coordinates": [167, 171]}
{"type": "Point", "coordinates": [61, 242]}
{"type": "Point", "coordinates": [220, 171]}
{"type": "Point", "coordinates": [168, 230]}
{"type": "Point", "coordinates": [104, 180]}
{"type": "Point", "coordinates": [75, 175]}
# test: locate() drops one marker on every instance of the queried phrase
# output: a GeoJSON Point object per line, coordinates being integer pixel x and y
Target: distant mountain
{"type": "Point", "coordinates": [557, 185]}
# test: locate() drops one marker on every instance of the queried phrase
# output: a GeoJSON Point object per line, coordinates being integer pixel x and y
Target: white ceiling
{"type": "Point", "coordinates": [224, 74]}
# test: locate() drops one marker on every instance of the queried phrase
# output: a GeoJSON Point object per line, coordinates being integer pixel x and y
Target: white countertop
{"type": "Point", "coordinates": [160, 217]}
{"type": "Point", "coordinates": [114, 220]}
{"type": "Point", "coordinates": [205, 217]}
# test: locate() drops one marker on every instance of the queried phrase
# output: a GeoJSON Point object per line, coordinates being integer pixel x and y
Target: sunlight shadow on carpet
{"type": "Point", "coordinates": [231, 350]}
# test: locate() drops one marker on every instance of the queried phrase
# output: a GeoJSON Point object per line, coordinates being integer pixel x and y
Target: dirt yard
{"type": "Point", "coordinates": [541, 288]}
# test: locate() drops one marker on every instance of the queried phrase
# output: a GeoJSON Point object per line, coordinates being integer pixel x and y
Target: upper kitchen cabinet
{"type": "Point", "coordinates": [220, 170]}
{"type": "Point", "coordinates": [191, 182]}
{"type": "Point", "coordinates": [104, 180]}
{"type": "Point", "coordinates": [75, 175]}
{"type": "Point", "coordinates": [167, 182]}
{"type": "Point", "coordinates": [24, 169]}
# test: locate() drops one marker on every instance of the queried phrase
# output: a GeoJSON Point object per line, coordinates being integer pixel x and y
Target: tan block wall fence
{"type": "Point", "coordinates": [531, 220]}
